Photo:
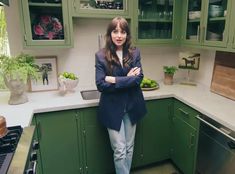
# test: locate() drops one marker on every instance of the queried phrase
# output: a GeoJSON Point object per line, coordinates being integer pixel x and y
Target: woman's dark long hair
{"type": "Point", "coordinates": [110, 47]}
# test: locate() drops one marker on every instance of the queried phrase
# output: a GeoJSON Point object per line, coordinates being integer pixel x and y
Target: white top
{"type": "Point", "coordinates": [120, 56]}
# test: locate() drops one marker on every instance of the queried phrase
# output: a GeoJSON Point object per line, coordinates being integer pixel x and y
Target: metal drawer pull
{"type": "Point", "coordinates": [217, 129]}
{"type": "Point", "coordinates": [191, 141]}
{"type": "Point", "coordinates": [182, 111]}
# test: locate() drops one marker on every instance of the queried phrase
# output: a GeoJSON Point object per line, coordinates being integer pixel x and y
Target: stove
{"type": "Point", "coordinates": [8, 145]}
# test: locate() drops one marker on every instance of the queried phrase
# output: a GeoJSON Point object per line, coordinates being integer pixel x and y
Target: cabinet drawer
{"type": "Point", "coordinates": [186, 113]}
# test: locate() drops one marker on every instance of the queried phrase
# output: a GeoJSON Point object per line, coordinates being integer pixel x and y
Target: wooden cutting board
{"type": "Point", "coordinates": [223, 81]}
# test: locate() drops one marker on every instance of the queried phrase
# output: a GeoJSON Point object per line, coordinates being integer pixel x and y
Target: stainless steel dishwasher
{"type": "Point", "coordinates": [216, 148]}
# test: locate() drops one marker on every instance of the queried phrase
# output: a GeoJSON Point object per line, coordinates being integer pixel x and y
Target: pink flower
{"type": "Point", "coordinates": [45, 19]}
{"type": "Point", "coordinates": [48, 27]}
{"type": "Point", "coordinates": [57, 25]}
{"type": "Point", "coordinates": [50, 35]}
{"type": "Point", "coordinates": [38, 30]}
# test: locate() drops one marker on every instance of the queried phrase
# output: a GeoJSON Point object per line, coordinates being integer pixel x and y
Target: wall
{"type": "Point", "coordinates": [81, 60]}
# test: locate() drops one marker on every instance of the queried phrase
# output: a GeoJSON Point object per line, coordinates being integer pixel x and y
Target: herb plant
{"type": "Point", "coordinates": [21, 66]}
{"type": "Point", "coordinates": [170, 69]}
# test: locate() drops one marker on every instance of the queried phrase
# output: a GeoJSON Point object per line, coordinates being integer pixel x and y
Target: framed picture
{"type": "Point", "coordinates": [47, 80]}
{"type": "Point", "coordinates": [189, 60]}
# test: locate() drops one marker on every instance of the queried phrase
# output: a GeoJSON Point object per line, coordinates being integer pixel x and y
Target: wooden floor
{"type": "Point", "coordinates": [162, 168]}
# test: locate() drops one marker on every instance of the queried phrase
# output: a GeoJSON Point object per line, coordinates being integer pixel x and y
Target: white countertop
{"type": "Point", "coordinates": [198, 97]}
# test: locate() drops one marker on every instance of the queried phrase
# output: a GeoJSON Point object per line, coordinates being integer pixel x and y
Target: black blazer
{"type": "Point", "coordinates": [123, 96]}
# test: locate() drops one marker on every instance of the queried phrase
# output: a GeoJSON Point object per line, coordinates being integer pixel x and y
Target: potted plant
{"type": "Point", "coordinates": [169, 72]}
{"type": "Point", "coordinates": [16, 71]}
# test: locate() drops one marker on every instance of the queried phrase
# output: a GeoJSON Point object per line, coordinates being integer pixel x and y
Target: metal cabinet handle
{"type": "Point", "coordinates": [204, 33]}
{"type": "Point", "coordinates": [191, 141]}
{"type": "Point", "coordinates": [198, 33]}
{"type": "Point", "coordinates": [183, 112]}
{"type": "Point", "coordinates": [217, 129]}
{"type": "Point", "coordinates": [39, 130]}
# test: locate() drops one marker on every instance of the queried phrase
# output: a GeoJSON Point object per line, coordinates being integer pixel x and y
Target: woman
{"type": "Point", "coordinates": [118, 78]}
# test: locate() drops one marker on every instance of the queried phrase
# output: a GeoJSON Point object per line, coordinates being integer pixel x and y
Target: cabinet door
{"type": "Point", "coordinates": [184, 146]}
{"type": "Point", "coordinates": [46, 23]}
{"type": "Point", "coordinates": [137, 159]}
{"type": "Point", "coordinates": [59, 143]}
{"type": "Point", "coordinates": [97, 149]}
{"type": "Point", "coordinates": [192, 21]}
{"type": "Point", "coordinates": [206, 22]}
{"type": "Point", "coordinates": [155, 21]}
{"type": "Point", "coordinates": [156, 131]}
{"type": "Point", "coordinates": [233, 40]}
{"type": "Point", "coordinates": [104, 9]}
{"type": "Point", "coordinates": [216, 23]}
{"type": "Point", "coordinates": [39, 160]}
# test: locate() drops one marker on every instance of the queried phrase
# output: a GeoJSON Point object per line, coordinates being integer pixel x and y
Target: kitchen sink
{"type": "Point", "coordinates": [90, 94]}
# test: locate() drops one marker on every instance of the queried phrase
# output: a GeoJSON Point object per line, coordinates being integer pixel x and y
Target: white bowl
{"type": "Point", "coordinates": [67, 84]}
{"type": "Point", "coordinates": [194, 14]}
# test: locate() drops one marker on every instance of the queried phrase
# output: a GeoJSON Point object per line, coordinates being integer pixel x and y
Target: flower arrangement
{"type": "Point", "coordinates": [48, 27]}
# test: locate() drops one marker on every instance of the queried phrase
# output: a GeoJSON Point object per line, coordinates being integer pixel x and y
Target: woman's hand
{"type": "Point", "coordinates": [134, 71]}
{"type": "Point", "coordinates": [110, 79]}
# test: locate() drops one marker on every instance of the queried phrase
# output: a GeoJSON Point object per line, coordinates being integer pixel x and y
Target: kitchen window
{"type": "Point", "coordinates": [4, 44]}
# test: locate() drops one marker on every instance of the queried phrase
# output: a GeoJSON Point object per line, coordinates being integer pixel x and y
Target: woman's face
{"type": "Point", "coordinates": [118, 37]}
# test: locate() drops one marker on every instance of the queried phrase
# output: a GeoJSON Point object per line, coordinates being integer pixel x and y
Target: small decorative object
{"type": "Point", "coordinates": [47, 72]}
{"type": "Point", "coordinates": [16, 71]}
{"type": "Point", "coordinates": [47, 27]}
{"type": "Point", "coordinates": [148, 84]}
{"type": "Point", "coordinates": [169, 72]}
{"type": "Point", "coordinates": [3, 126]}
{"type": "Point", "coordinates": [67, 82]}
{"type": "Point", "coordinates": [189, 61]}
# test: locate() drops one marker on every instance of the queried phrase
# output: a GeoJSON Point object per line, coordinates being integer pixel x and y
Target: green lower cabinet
{"type": "Point", "coordinates": [156, 131]}
{"type": "Point", "coordinates": [97, 149]}
{"type": "Point", "coordinates": [152, 141]}
{"type": "Point", "coordinates": [59, 143]}
{"type": "Point", "coordinates": [73, 141]}
{"type": "Point", "coordinates": [138, 147]}
{"type": "Point", "coordinates": [184, 149]}
{"type": "Point", "coordinates": [39, 161]}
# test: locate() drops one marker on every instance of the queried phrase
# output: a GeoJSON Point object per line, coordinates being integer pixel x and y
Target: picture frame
{"type": "Point", "coordinates": [189, 60]}
{"type": "Point", "coordinates": [48, 77]}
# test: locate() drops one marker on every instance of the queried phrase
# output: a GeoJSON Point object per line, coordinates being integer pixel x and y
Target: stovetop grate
{"type": "Point", "coordinates": [8, 144]}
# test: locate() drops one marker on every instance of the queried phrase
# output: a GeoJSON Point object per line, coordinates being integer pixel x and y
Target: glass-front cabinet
{"type": "Point", "coordinates": [46, 23]}
{"type": "Point", "coordinates": [154, 21]}
{"type": "Point", "coordinates": [206, 22]}
{"type": "Point", "coordinates": [100, 8]}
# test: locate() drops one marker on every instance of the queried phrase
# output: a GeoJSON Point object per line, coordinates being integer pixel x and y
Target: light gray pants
{"type": "Point", "coordinates": [122, 143]}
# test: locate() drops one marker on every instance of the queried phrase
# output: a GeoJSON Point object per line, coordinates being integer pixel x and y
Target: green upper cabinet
{"type": "Point", "coordinates": [206, 22]}
{"type": "Point", "coordinates": [232, 27]}
{"type": "Point", "coordinates": [155, 21]}
{"type": "Point", "coordinates": [46, 23]}
{"type": "Point", "coordinates": [100, 9]}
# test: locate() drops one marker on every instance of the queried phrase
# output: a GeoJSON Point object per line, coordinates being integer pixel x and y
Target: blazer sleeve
{"type": "Point", "coordinates": [100, 73]}
{"type": "Point", "coordinates": [131, 81]}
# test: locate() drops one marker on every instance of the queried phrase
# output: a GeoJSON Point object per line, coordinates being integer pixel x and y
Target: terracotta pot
{"type": "Point", "coordinates": [168, 80]}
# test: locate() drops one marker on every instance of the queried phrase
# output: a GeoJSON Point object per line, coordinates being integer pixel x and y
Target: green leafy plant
{"type": "Point", "coordinates": [21, 67]}
{"type": "Point", "coordinates": [170, 69]}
